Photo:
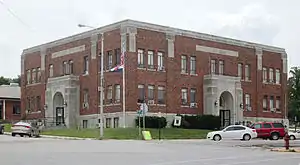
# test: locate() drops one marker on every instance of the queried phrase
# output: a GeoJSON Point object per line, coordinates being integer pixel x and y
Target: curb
{"type": "Point", "coordinates": [58, 137]}
{"type": "Point", "coordinates": [284, 150]}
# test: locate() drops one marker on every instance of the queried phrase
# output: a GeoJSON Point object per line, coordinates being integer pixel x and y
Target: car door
{"type": "Point", "coordinates": [258, 128]}
{"type": "Point", "coordinates": [239, 131]}
{"type": "Point", "coordinates": [266, 129]}
{"type": "Point", "coordinates": [297, 135]}
{"type": "Point", "coordinates": [228, 132]}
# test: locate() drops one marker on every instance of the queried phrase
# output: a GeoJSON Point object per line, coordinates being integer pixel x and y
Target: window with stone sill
{"type": "Point", "coordinates": [16, 109]}
{"type": "Point", "coordinates": [247, 72]}
{"type": "Point", "coordinates": [161, 95]}
{"type": "Point", "coordinates": [39, 76]}
{"type": "Point", "coordinates": [141, 62]}
{"type": "Point", "coordinates": [265, 103]}
{"type": "Point", "coordinates": [109, 60]}
{"type": "Point", "coordinates": [271, 102]}
{"type": "Point", "coordinates": [116, 122]}
{"type": "Point", "coordinates": [71, 67]}
{"type": "Point", "coordinates": [183, 64]}
{"type": "Point", "coordinates": [50, 70]}
{"type": "Point", "coordinates": [117, 56]}
{"type": "Point", "coordinates": [85, 96]}
{"type": "Point", "coordinates": [271, 75]}
{"type": "Point", "coordinates": [28, 76]}
{"type": "Point", "coordinates": [277, 103]}
{"type": "Point", "coordinates": [33, 76]}
{"type": "Point", "coordinates": [193, 96]}
{"type": "Point", "coordinates": [184, 94]}
{"type": "Point", "coordinates": [247, 102]}
{"type": "Point", "coordinates": [86, 65]}
{"type": "Point", "coordinates": [160, 60]}
{"type": "Point", "coordinates": [117, 93]}
{"type": "Point", "coordinates": [65, 68]}
{"type": "Point", "coordinates": [277, 76]}
{"type": "Point", "coordinates": [213, 66]}
{"type": "Point", "coordinates": [108, 122]}
{"type": "Point", "coordinates": [221, 67]}
{"type": "Point", "coordinates": [265, 74]}
{"type": "Point", "coordinates": [150, 60]}
{"type": "Point", "coordinates": [141, 93]}
{"type": "Point", "coordinates": [240, 70]}
{"type": "Point", "coordinates": [193, 65]}
{"type": "Point", "coordinates": [150, 92]}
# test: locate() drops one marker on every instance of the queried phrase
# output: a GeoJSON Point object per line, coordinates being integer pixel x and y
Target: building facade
{"type": "Point", "coordinates": [174, 71]}
{"type": "Point", "coordinates": [10, 103]}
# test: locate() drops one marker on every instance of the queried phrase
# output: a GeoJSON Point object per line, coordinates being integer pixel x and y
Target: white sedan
{"type": "Point", "coordinates": [294, 135]}
{"type": "Point", "coordinates": [233, 132]}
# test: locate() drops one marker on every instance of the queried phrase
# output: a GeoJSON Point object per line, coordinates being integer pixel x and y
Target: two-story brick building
{"type": "Point", "coordinates": [10, 109]}
{"type": "Point", "coordinates": [176, 71]}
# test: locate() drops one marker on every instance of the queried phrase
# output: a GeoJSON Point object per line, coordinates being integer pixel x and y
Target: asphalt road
{"type": "Point", "coordinates": [25, 151]}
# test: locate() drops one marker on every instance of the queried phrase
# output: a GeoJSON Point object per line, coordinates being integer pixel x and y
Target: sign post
{"type": "Point", "coordinates": [139, 116]}
{"type": "Point", "coordinates": [144, 109]}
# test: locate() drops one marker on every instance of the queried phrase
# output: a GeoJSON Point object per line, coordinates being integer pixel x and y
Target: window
{"type": "Point", "coordinates": [247, 100]}
{"type": "Point", "coordinates": [108, 122]}
{"type": "Point", "coordinates": [33, 76]}
{"type": "Point", "coordinates": [247, 72]}
{"type": "Point", "coordinates": [271, 75]}
{"type": "Point", "coordinates": [109, 60]}
{"type": "Point", "coordinates": [150, 60]}
{"type": "Point", "coordinates": [71, 67]}
{"type": "Point", "coordinates": [193, 96]}
{"type": "Point", "coordinates": [141, 58]}
{"type": "Point", "coordinates": [160, 60]}
{"type": "Point", "coordinates": [277, 103]}
{"type": "Point", "coordinates": [32, 104]}
{"type": "Point", "coordinates": [86, 65]}
{"type": "Point", "coordinates": [16, 109]}
{"type": "Point", "coordinates": [150, 92]}
{"type": "Point", "coordinates": [265, 103]}
{"type": "Point", "coordinates": [278, 125]}
{"type": "Point", "coordinates": [230, 129]}
{"type": "Point", "coordinates": [277, 76]}
{"type": "Point", "coordinates": [28, 76]}
{"type": "Point", "coordinates": [267, 125]}
{"type": "Point", "coordinates": [141, 90]}
{"type": "Point", "coordinates": [193, 65]}
{"type": "Point", "coordinates": [238, 128]}
{"type": "Point", "coordinates": [117, 93]}
{"type": "Point", "coordinates": [257, 126]}
{"type": "Point", "coordinates": [85, 96]}
{"type": "Point", "coordinates": [212, 66]}
{"type": "Point", "coordinates": [38, 103]}
{"type": "Point", "coordinates": [240, 70]}
{"type": "Point", "coordinates": [118, 56]}
{"type": "Point", "coordinates": [109, 94]}
{"type": "Point", "coordinates": [39, 76]}
{"type": "Point", "coordinates": [183, 96]}
{"type": "Point", "coordinates": [161, 95]}
{"type": "Point", "coordinates": [50, 70]}
{"type": "Point", "coordinates": [84, 123]}
{"type": "Point", "coordinates": [271, 102]}
{"type": "Point", "coordinates": [183, 64]}
{"type": "Point", "coordinates": [265, 74]}
{"type": "Point", "coordinates": [221, 67]}
{"type": "Point", "coordinates": [65, 68]}
{"type": "Point", "coordinates": [116, 122]}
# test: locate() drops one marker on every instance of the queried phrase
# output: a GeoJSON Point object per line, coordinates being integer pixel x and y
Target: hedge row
{"type": "Point", "coordinates": [152, 122]}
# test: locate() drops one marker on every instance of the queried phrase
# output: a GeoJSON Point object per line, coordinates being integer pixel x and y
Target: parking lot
{"type": "Point", "coordinates": [17, 151]}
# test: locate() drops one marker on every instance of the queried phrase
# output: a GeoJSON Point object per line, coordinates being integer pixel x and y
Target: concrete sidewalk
{"type": "Point", "coordinates": [58, 137]}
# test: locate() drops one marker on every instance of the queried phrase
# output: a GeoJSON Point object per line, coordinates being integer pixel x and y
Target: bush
{"type": "Point", "coordinates": [200, 122]}
{"type": "Point", "coordinates": [152, 122]}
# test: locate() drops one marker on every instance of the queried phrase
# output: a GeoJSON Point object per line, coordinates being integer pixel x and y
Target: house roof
{"type": "Point", "coordinates": [12, 91]}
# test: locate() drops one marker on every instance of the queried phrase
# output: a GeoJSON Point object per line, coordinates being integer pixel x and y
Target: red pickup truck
{"type": "Point", "coordinates": [269, 130]}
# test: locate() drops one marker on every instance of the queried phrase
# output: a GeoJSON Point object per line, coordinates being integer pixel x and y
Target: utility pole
{"type": "Point", "coordinates": [101, 87]}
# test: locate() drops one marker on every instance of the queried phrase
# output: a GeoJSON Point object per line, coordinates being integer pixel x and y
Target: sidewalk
{"type": "Point", "coordinates": [294, 149]}
{"type": "Point", "coordinates": [58, 137]}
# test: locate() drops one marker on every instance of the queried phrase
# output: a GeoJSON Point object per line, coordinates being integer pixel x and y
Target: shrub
{"type": "Point", "coordinates": [152, 122]}
{"type": "Point", "coordinates": [199, 122]}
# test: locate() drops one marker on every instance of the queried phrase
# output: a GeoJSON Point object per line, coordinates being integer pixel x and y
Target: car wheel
{"type": "Point", "coordinates": [31, 134]}
{"type": "Point", "coordinates": [2, 131]}
{"type": "Point", "coordinates": [274, 136]}
{"type": "Point", "coordinates": [217, 138]}
{"type": "Point", "coordinates": [246, 137]}
{"type": "Point", "coordinates": [21, 135]}
{"type": "Point", "coordinates": [13, 134]}
{"type": "Point", "coordinates": [292, 137]}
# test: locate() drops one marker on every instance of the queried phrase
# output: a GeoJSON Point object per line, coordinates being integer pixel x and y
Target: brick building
{"type": "Point", "coordinates": [175, 71]}
{"type": "Point", "coordinates": [10, 102]}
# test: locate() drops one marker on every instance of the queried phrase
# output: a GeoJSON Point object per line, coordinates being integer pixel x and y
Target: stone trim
{"type": "Point", "coordinates": [72, 50]}
{"type": "Point", "coordinates": [43, 58]}
{"type": "Point", "coordinates": [259, 54]}
{"type": "Point", "coordinates": [213, 50]}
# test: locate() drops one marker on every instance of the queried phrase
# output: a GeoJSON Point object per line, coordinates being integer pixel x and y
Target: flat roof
{"type": "Point", "coordinates": [10, 92]}
{"type": "Point", "coordinates": [158, 28]}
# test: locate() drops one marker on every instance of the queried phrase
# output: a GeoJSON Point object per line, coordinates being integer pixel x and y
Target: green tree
{"type": "Point", "coordinates": [294, 93]}
{"type": "Point", "coordinates": [4, 81]}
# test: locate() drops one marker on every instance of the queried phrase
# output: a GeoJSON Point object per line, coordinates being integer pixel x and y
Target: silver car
{"type": "Point", "coordinates": [25, 129]}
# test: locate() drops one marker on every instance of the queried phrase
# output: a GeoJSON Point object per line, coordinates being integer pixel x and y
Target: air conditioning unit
{"type": "Point", "coordinates": [249, 108]}
{"type": "Point", "coordinates": [161, 68]}
{"type": "Point", "coordinates": [85, 105]}
{"type": "Point", "coordinates": [193, 105]}
{"type": "Point", "coordinates": [150, 101]}
{"type": "Point", "coordinates": [273, 109]}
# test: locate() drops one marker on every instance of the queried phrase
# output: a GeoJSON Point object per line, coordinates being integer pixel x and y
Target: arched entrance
{"type": "Point", "coordinates": [58, 108]}
{"type": "Point", "coordinates": [225, 106]}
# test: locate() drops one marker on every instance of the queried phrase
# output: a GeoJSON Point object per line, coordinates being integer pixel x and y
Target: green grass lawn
{"type": "Point", "coordinates": [125, 133]}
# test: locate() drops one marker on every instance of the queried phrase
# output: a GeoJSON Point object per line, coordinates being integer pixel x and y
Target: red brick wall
{"type": "Point", "coordinates": [9, 110]}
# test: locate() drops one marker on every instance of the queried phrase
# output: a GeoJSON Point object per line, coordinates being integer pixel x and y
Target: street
{"type": "Point", "coordinates": [26, 151]}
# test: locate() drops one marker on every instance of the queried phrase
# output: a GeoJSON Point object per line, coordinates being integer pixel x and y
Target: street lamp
{"type": "Point", "coordinates": [159, 125]}
{"type": "Point", "coordinates": [101, 81]}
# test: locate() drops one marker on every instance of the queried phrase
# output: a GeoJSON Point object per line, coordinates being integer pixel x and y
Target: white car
{"type": "Point", "coordinates": [233, 132]}
{"type": "Point", "coordinates": [25, 129]}
{"type": "Point", "coordinates": [294, 135]}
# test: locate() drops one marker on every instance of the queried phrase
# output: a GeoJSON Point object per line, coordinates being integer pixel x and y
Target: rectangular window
{"type": "Point", "coordinates": [221, 67]}
{"type": "Point", "coordinates": [150, 92]}
{"type": "Point", "coordinates": [193, 96]}
{"type": "Point", "coordinates": [16, 109]}
{"type": "Point", "coordinates": [118, 56]}
{"type": "Point", "coordinates": [28, 76]}
{"type": "Point", "coordinates": [85, 96]}
{"type": "Point", "coordinates": [160, 61]}
{"type": "Point", "coordinates": [240, 70]}
{"type": "Point", "coordinates": [265, 103]}
{"type": "Point", "coordinates": [141, 90]}
{"type": "Point", "coordinates": [65, 68]}
{"type": "Point", "coordinates": [110, 94]}
{"type": "Point", "coordinates": [161, 95]}
{"type": "Point", "coordinates": [39, 75]}
{"type": "Point", "coordinates": [71, 67]}
{"type": "Point", "coordinates": [86, 65]}
{"type": "Point", "coordinates": [271, 102]}
{"type": "Point", "coordinates": [109, 60]}
{"type": "Point", "coordinates": [108, 122]}
{"type": "Point", "coordinates": [247, 101]}
{"type": "Point", "coordinates": [278, 103]}
{"type": "Point", "coordinates": [33, 76]}
{"type": "Point", "coordinates": [84, 123]}
{"type": "Point", "coordinates": [265, 74]}
{"type": "Point", "coordinates": [150, 60]}
{"type": "Point", "coordinates": [141, 63]}
{"type": "Point", "coordinates": [116, 122]}
{"type": "Point", "coordinates": [117, 93]}
{"type": "Point", "coordinates": [38, 103]}
{"type": "Point", "coordinates": [212, 66]}
{"type": "Point", "coordinates": [184, 96]}
{"type": "Point", "coordinates": [247, 72]}
{"type": "Point", "coordinates": [277, 76]}
{"type": "Point", "coordinates": [193, 65]}
{"type": "Point", "coordinates": [183, 64]}
{"type": "Point", "coordinates": [271, 75]}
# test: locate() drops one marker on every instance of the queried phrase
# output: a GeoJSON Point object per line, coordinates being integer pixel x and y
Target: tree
{"type": "Point", "coordinates": [294, 93]}
{"type": "Point", "coordinates": [7, 81]}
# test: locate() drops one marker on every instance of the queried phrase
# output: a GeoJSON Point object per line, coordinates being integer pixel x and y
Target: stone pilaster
{"type": "Point", "coordinates": [259, 54]}
{"type": "Point", "coordinates": [94, 40]}
{"type": "Point", "coordinates": [43, 58]}
{"type": "Point", "coordinates": [284, 62]}
{"type": "Point", "coordinates": [23, 63]}
{"type": "Point", "coordinates": [170, 39]}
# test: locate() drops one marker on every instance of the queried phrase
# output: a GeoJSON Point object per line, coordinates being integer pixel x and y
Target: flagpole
{"type": "Point", "coordinates": [124, 87]}
{"type": "Point", "coordinates": [101, 87]}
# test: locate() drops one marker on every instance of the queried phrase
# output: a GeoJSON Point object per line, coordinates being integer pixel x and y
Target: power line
{"type": "Point", "coordinates": [14, 15]}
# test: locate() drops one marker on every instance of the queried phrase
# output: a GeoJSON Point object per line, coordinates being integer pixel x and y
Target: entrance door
{"type": "Point", "coordinates": [60, 116]}
{"type": "Point", "coordinates": [225, 118]}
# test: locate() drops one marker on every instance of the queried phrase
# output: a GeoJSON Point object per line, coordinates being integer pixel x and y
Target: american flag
{"type": "Point", "coordinates": [123, 50]}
